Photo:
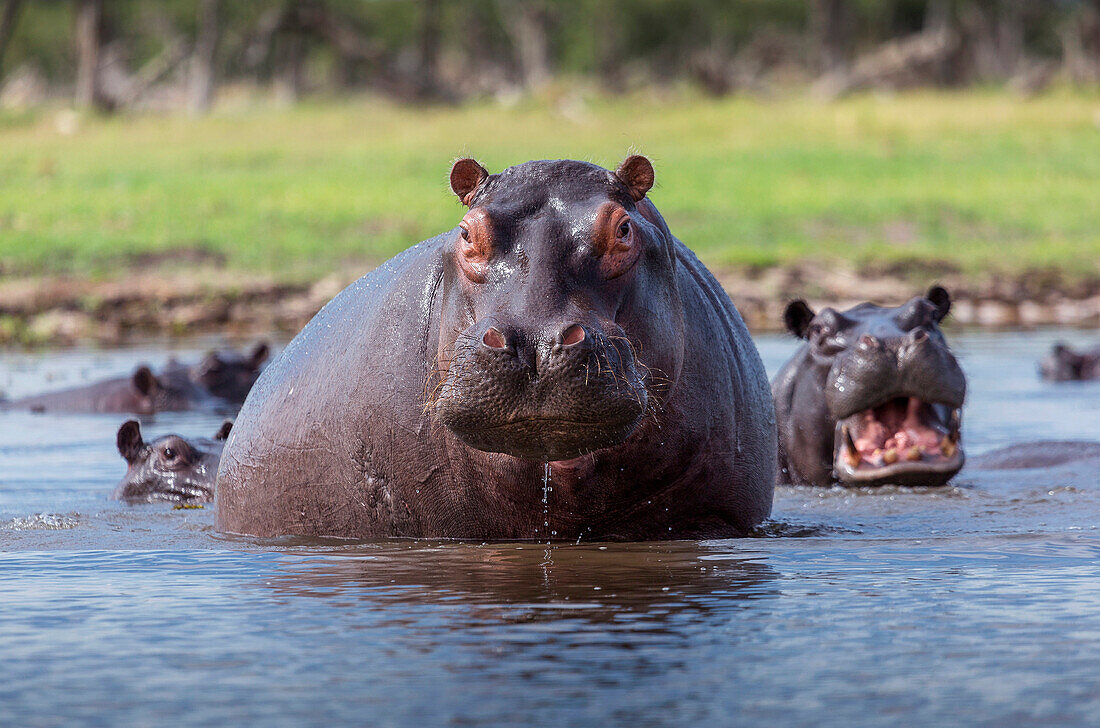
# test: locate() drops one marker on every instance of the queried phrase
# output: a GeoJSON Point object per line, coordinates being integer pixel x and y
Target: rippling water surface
{"type": "Point", "coordinates": [977, 603]}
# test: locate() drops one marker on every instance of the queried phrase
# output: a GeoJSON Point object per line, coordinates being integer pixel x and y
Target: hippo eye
{"type": "Point", "coordinates": [624, 228]}
{"type": "Point", "coordinates": [169, 453]}
{"type": "Point", "coordinates": [475, 244]}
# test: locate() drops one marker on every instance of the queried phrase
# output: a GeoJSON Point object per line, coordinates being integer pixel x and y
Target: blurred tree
{"type": "Point", "coordinates": [89, 29]}
{"type": "Point", "coordinates": [429, 42]}
{"type": "Point", "coordinates": [203, 57]}
{"type": "Point", "coordinates": [431, 48]}
{"type": "Point", "coordinates": [526, 23]}
{"type": "Point", "coordinates": [831, 28]}
{"type": "Point", "coordinates": [1080, 39]}
{"type": "Point", "coordinates": [8, 16]}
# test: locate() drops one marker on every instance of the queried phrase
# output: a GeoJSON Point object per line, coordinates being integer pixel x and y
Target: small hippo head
{"type": "Point", "coordinates": [229, 374]}
{"type": "Point", "coordinates": [169, 468]}
{"type": "Point", "coordinates": [893, 391]}
{"type": "Point", "coordinates": [144, 392]}
{"type": "Point", "coordinates": [1063, 364]}
{"type": "Point", "coordinates": [562, 323]}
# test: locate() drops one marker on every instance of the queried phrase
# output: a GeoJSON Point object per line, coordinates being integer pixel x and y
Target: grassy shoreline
{"type": "Point", "coordinates": [973, 182]}
{"type": "Point", "coordinates": [64, 310]}
{"type": "Point", "coordinates": [983, 189]}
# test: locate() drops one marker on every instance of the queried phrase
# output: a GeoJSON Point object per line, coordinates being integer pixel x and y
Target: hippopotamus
{"type": "Point", "coordinates": [873, 396]}
{"type": "Point", "coordinates": [140, 393]}
{"type": "Point", "coordinates": [224, 373]}
{"type": "Point", "coordinates": [1040, 454]}
{"type": "Point", "coordinates": [170, 468]}
{"type": "Point", "coordinates": [556, 366]}
{"type": "Point", "coordinates": [1064, 364]}
{"type": "Point", "coordinates": [220, 381]}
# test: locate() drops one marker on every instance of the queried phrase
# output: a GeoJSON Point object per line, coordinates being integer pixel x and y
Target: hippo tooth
{"type": "Point", "coordinates": [851, 454]}
{"type": "Point", "coordinates": [913, 454]}
{"type": "Point", "coordinates": [948, 447]}
{"type": "Point", "coordinates": [890, 456]}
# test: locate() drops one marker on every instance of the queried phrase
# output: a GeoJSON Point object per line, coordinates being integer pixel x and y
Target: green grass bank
{"type": "Point", "coordinates": [974, 183]}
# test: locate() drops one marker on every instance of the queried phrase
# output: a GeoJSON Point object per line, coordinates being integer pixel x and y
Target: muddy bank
{"type": "Point", "coordinates": [63, 311]}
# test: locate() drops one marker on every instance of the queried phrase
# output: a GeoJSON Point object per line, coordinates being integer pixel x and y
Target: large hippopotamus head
{"type": "Point", "coordinates": [559, 283]}
{"type": "Point", "coordinates": [874, 395]}
{"type": "Point", "coordinates": [170, 468]}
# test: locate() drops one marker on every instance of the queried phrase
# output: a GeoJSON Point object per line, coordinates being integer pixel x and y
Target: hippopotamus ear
{"type": "Point", "coordinates": [223, 431]}
{"type": "Point", "coordinates": [145, 381]}
{"type": "Point", "coordinates": [466, 176]}
{"type": "Point", "coordinates": [129, 441]}
{"type": "Point", "coordinates": [797, 318]}
{"type": "Point", "coordinates": [939, 296]}
{"type": "Point", "coordinates": [636, 173]}
{"type": "Point", "coordinates": [259, 354]}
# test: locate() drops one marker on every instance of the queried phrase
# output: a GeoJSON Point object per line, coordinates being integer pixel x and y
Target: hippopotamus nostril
{"type": "Point", "coordinates": [868, 342]}
{"type": "Point", "coordinates": [571, 335]}
{"type": "Point", "coordinates": [494, 339]}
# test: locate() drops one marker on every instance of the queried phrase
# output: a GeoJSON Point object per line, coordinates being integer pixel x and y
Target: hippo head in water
{"type": "Point", "coordinates": [1063, 364]}
{"type": "Point", "coordinates": [169, 468]}
{"type": "Point", "coordinates": [230, 374]}
{"type": "Point", "coordinates": [874, 395]}
{"type": "Point", "coordinates": [560, 276]}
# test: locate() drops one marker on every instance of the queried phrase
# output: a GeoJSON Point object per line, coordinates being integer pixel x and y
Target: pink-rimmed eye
{"type": "Point", "coordinates": [614, 240]}
{"type": "Point", "coordinates": [475, 245]}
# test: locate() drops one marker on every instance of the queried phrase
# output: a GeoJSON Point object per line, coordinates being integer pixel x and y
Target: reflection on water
{"type": "Point", "coordinates": [970, 604]}
{"type": "Point", "coordinates": [635, 583]}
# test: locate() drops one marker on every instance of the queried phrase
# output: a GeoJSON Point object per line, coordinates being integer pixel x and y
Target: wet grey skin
{"type": "Point", "coordinates": [559, 339]}
{"type": "Point", "coordinates": [873, 396]}
{"type": "Point", "coordinates": [1065, 364]}
{"type": "Point", "coordinates": [170, 468]}
{"type": "Point", "coordinates": [219, 382]}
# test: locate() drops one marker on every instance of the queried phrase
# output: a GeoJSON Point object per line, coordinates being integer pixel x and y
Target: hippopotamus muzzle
{"type": "Point", "coordinates": [542, 397]}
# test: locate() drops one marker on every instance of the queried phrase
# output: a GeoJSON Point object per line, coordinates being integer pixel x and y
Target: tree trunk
{"type": "Point", "coordinates": [526, 25]}
{"type": "Point", "coordinates": [89, 27]}
{"type": "Point", "coordinates": [830, 27]}
{"type": "Point", "coordinates": [7, 26]}
{"type": "Point", "coordinates": [204, 57]}
{"type": "Point", "coordinates": [1081, 44]}
{"type": "Point", "coordinates": [428, 71]}
{"type": "Point", "coordinates": [1010, 36]}
{"type": "Point", "coordinates": [290, 47]}
{"type": "Point", "coordinates": [937, 16]}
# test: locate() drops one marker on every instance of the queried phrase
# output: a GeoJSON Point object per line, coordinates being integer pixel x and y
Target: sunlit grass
{"type": "Point", "coordinates": [978, 182]}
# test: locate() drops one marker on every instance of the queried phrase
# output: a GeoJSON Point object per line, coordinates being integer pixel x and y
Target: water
{"type": "Point", "coordinates": [977, 604]}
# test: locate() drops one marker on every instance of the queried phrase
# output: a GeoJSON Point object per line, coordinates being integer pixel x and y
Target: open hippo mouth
{"type": "Point", "coordinates": [904, 440]}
